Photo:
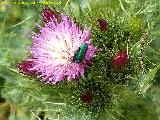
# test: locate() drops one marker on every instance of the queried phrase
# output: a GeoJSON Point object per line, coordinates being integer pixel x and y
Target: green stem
{"type": "Point", "coordinates": [122, 7]}
{"type": "Point", "coordinates": [13, 113]}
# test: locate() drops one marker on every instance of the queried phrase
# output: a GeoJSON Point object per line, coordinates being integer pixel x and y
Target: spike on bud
{"type": "Point", "coordinates": [49, 15]}
{"type": "Point", "coordinates": [86, 97]}
{"type": "Point", "coordinates": [25, 67]}
{"type": "Point", "coordinates": [119, 61]}
{"type": "Point", "coordinates": [102, 24]}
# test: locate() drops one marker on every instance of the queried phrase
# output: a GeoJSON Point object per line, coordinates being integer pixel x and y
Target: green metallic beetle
{"type": "Point", "coordinates": [80, 53]}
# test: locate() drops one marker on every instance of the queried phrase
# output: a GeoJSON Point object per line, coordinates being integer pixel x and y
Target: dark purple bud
{"type": "Point", "coordinates": [103, 24]}
{"type": "Point", "coordinates": [120, 60]}
{"type": "Point", "coordinates": [25, 67]}
{"type": "Point", "coordinates": [86, 97]}
{"type": "Point", "coordinates": [50, 15]}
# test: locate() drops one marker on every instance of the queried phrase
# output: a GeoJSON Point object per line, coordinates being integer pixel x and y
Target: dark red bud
{"type": "Point", "coordinates": [120, 60]}
{"type": "Point", "coordinates": [86, 97]}
{"type": "Point", "coordinates": [103, 24]}
{"type": "Point", "coordinates": [25, 67]}
{"type": "Point", "coordinates": [50, 15]}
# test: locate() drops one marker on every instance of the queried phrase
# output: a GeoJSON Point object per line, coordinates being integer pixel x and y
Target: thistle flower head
{"type": "Point", "coordinates": [61, 50]}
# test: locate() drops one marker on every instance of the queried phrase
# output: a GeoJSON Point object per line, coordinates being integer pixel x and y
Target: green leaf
{"type": "Point", "coordinates": [147, 81]}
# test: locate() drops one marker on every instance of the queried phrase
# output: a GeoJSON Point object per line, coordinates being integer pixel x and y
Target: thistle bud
{"type": "Point", "coordinates": [103, 24]}
{"type": "Point", "coordinates": [86, 97]}
{"type": "Point", "coordinates": [119, 61]}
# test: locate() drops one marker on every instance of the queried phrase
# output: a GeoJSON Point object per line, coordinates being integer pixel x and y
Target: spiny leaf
{"type": "Point", "coordinates": [147, 81]}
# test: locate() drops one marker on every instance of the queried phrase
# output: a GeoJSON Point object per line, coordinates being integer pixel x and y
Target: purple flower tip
{"type": "Point", "coordinates": [49, 15]}
{"type": "Point", "coordinates": [120, 60]}
{"type": "Point", "coordinates": [25, 66]}
{"type": "Point", "coordinates": [103, 24]}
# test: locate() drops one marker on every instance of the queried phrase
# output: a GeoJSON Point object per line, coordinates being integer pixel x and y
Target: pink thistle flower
{"type": "Point", "coordinates": [61, 50]}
